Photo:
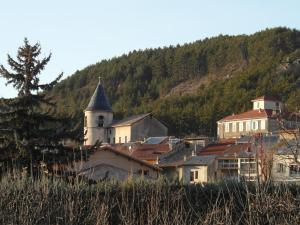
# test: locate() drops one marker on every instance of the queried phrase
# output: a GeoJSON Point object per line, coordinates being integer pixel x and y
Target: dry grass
{"type": "Point", "coordinates": [54, 201]}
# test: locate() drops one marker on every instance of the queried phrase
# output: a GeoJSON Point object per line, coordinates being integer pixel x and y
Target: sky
{"type": "Point", "coordinates": [79, 33]}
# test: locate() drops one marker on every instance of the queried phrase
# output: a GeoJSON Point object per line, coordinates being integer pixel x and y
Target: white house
{"type": "Point", "coordinates": [263, 118]}
{"type": "Point", "coordinates": [286, 162]}
{"type": "Point", "coordinates": [100, 126]}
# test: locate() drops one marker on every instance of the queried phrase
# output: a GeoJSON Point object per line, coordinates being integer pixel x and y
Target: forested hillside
{"type": "Point", "coordinates": [191, 86]}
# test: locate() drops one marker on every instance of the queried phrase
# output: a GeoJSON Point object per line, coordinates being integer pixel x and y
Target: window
{"type": "Point", "coordinates": [241, 127]}
{"type": "Point", "coordinates": [257, 105]}
{"type": "Point", "coordinates": [119, 139]}
{"type": "Point", "coordinates": [263, 124]}
{"type": "Point", "coordinates": [146, 172]}
{"type": "Point", "coordinates": [248, 124]}
{"type": "Point", "coordinates": [85, 121]}
{"type": "Point", "coordinates": [280, 168]}
{"type": "Point", "coordinates": [233, 127]}
{"type": "Point", "coordinates": [226, 127]}
{"type": "Point", "coordinates": [191, 175]}
{"type": "Point", "coordinates": [254, 125]}
{"type": "Point", "coordinates": [100, 121]}
{"type": "Point", "coordinates": [108, 140]}
{"type": "Point", "coordinates": [295, 170]}
{"type": "Point", "coordinates": [248, 166]}
{"type": "Point", "coordinates": [258, 124]}
{"type": "Point", "coordinates": [237, 126]}
{"type": "Point", "coordinates": [109, 131]}
{"type": "Point", "coordinates": [114, 140]}
{"type": "Point", "coordinates": [230, 127]}
{"type": "Point", "coordinates": [196, 175]}
{"type": "Point", "coordinates": [125, 139]}
{"type": "Point", "coordinates": [244, 126]}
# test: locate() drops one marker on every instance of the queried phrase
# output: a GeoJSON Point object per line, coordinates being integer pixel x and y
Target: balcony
{"type": "Point", "coordinates": [228, 164]}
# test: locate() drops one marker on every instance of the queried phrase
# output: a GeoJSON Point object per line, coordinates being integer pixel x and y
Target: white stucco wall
{"type": "Point", "coordinates": [122, 132]}
{"type": "Point", "coordinates": [204, 174]}
{"type": "Point", "coordinates": [242, 127]}
{"type": "Point", "coordinates": [94, 132]}
{"type": "Point", "coordinates": [138, 131]}
{"type": "Point", "coordinates": [283, 173]}
{"type": "Point", "coordinates": [264, 104]}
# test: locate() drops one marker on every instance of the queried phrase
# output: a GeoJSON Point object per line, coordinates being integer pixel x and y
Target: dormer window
{"type": "Point", "coordinates": [100, 121]}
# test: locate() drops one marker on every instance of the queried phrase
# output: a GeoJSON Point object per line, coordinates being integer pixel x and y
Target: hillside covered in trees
{"type": "Point", "coordinates": [191, 86]}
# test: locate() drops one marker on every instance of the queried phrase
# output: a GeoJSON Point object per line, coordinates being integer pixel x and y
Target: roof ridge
{"type": "Point", "coordinates": [130, 120]}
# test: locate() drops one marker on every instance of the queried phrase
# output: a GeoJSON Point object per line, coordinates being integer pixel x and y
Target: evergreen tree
{"type": "Point", "coordinates": [28, 132]}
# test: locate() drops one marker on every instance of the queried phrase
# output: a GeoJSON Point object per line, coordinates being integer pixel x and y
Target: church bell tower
{"type": "Point", "coordinates": [97, 117]}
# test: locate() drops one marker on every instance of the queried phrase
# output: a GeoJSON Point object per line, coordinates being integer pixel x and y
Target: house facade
{"type": "Point", "coordinates": [285, 169]}
{"type": "Point", "coordinates": [286, 162]}
{"type": "Point", "coordinates": [191, 170]}
{"type": "Point", "coordinates": [100, 126]}
{"type": "Point", "coordinates": [263, 118]}
{"type": "Point", "coordinates": [107, 163]}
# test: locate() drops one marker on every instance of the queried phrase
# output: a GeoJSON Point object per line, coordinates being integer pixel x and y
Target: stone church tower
{"type": "Point", "coordinates": [97, 117]}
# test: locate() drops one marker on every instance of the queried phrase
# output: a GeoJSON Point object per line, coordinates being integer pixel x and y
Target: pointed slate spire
{"type": "Point", "coordinates": [99, 100]}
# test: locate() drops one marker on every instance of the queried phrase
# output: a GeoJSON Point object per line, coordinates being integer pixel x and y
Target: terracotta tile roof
{"type": "Point", "coordinates": [237, 149]}
{"type": "Point", "coordinates": [257, 113]}
{"type": "Point", "coordinates": [214, 149]}
{"type": "Point", "coordinates": [123, 154]}
{"type": "Point", "coordinates": [149, 151]}
{"type": "Point", "coordinates": [146, 152]}
{"type": "Point", "coordinates": [266, 98]}
{"type": "Point", "coordinates": [224, 149]}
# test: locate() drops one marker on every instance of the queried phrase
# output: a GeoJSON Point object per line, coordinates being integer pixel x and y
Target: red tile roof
{"type": "Point", "coordinates": [122, 154]}
{"type": "Point", "coordinates": [146, 152]}
{"type": "Point", "coordinates": [215, 149]}
{"type": "Point", "coordinates": [149, 151]}
{"type": "Point", "coordinates": [224, 150]}
{"type": "Point", "coordinates": [266, 98]}
{"type": "Point", "coordinates": [257, 113]}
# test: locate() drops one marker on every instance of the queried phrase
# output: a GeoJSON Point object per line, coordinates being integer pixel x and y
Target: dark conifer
{"type": "Point", "coordinates": [28, 132]}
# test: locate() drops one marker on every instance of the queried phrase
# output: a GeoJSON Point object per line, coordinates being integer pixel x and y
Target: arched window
{"type": "Point", "coordinates": [100, 121]}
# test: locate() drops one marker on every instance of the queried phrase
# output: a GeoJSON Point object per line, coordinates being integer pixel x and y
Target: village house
{"type": "Point", "coordinates": [100, 126]}
{"type": "Point", "coordinates": [265, 117]}
{"type": "Point", "coordinates": [191, 170]}
{"type": "Point", "coordinates": [286, 163]}
{"type": "Point", "coordinates": [242, 159]}
{"type": "Point", "coordinates": [107, 163]}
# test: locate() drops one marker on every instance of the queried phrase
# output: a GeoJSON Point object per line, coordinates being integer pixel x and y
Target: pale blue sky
{"type": "Point", "coordinates": [83, 32]}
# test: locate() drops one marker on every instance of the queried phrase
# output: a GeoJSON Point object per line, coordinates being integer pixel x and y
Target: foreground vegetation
{"type": "Point", "coordinates": [54, 201]}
